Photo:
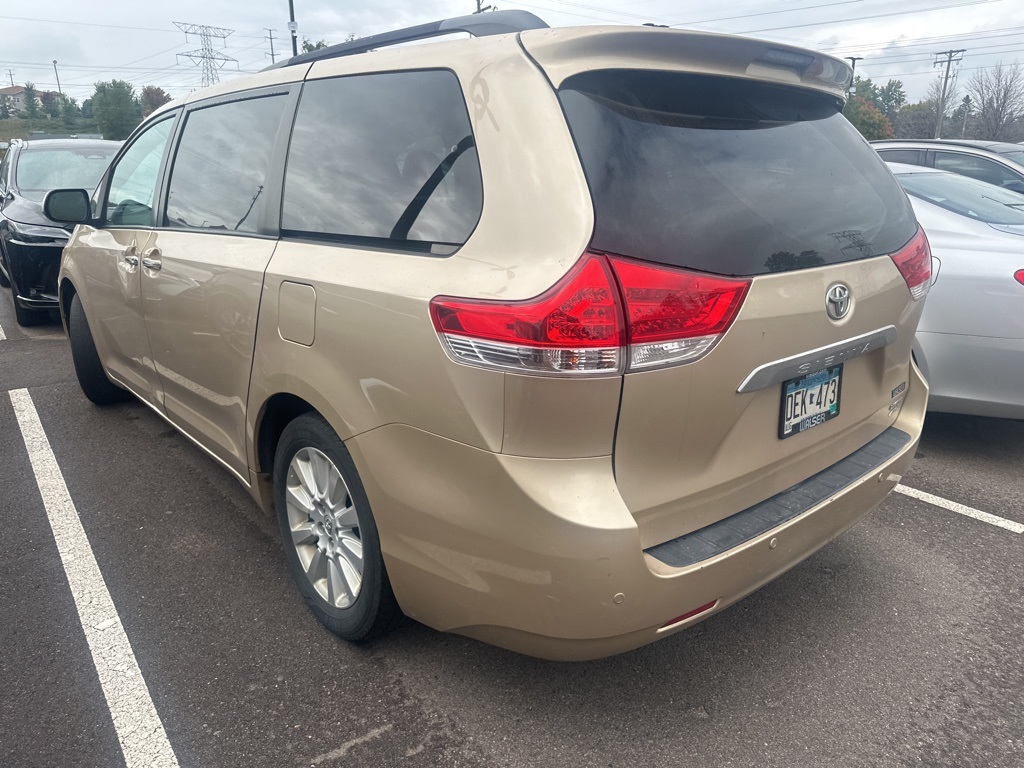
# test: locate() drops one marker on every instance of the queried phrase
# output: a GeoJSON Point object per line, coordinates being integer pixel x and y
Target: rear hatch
{"type": "Point", "coordinates": [749, 178]}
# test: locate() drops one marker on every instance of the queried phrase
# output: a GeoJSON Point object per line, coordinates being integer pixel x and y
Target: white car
{"type": "Point", "coordinates": [970, 343]}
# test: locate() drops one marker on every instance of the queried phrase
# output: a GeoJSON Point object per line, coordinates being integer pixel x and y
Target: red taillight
{"type": "Point", "coordinates": [586, 322]}
{"type": "Point", "coordinates": [574, 327]}
{"type": "Point", "coordinates": [914, 262]}
{"type": "Point", "coordinates": [674, 316]}
{"type": "Point", "coordinates": [1019, 276]}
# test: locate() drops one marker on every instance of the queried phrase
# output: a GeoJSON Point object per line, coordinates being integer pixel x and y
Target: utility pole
{"type": "Point", "coordinates": [58, 78]}
{"type": "Point", "coordinates": [206, 57]}
{"type": "Point", "coordinates": [293, 28]}
{"type": "Point", "coordinates": [951, 56]}
{"type": "Point", "coordinates": [480, 7]}
{"type": "Point", "coordinates": [270, 37]}
{"type": "Point", "coordinates": [10, 74]}
{"type": "Point", "coordinates": [853, 66]}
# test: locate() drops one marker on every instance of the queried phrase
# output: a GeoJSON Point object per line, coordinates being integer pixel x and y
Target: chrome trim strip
{"type": "Point", "coordinates": [49, 244]}
{"type": "Point", "coordinates": [779, 371]}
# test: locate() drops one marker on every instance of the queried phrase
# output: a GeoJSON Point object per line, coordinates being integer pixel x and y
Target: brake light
{"type": "Point", "coordinates": [914, 262]}
{"type": "Point", "coordinates": [1019, 276]}
{"type": "Point", "coordinates": [586, 323]}
{"type": "Point", "coordinates": [574, 327]}
{"type": "Point", "coordinates": [675, 316]}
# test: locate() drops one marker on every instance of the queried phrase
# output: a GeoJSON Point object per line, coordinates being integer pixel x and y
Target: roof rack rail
{"type": "Point", "coordinates": [477, 24]}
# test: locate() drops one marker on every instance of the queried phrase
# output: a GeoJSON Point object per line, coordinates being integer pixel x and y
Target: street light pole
{"type": "Point", "coordinates": [58, 77]}
{"type": "Point", "coordinates": [293, 27]}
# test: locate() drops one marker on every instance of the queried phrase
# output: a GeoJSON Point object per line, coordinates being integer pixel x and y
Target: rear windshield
{"type": "Point", "coordinates": [728, 176]}
{"type": "Point", "coordinates": [968, 197]}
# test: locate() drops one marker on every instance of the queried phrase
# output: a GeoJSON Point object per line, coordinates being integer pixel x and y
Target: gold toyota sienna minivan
{"type": "Point", "coordinates": [561, 339]}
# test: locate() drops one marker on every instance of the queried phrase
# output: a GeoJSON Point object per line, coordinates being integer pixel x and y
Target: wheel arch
{"type": "Point", "coordinates": [66, 291]}
{"type": "Point", "coordinates": [277, 412]}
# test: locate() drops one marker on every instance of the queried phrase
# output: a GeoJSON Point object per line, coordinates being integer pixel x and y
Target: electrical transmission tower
{"type": "Point", "coordinates": [952, 57]}
{"type": "Point", "coordinates": [210, 60]}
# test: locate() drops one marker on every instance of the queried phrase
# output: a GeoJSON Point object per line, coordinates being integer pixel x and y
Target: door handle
{"type": "Point", "coordinates": [130, 256]}
{"type": "Point", "coordinates": [151, 259]}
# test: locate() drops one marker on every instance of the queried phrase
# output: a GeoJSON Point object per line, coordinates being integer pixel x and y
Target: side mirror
{"type": "Point", "coordinates": [67, 206]}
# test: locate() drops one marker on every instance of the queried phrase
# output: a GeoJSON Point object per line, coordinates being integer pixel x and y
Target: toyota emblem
{"type": "Point", "coordinates": [837, 301]}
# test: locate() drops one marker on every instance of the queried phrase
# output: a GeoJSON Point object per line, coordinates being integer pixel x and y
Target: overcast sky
{"type": "Point", "coordinates": [138, 42]}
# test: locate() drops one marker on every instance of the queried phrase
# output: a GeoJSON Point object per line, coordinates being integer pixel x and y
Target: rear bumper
{"type": "Point", "coordinates": [542, 556]}
{"type": "Point", "coordinates": [974, 375]}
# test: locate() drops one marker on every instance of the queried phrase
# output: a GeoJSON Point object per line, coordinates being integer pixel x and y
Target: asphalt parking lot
{"type": "Point", "coordinates": [900, 644]}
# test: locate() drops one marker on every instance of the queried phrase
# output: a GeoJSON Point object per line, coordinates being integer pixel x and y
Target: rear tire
{"type": "Point", "coordinates": [329, 534]}
{"type": "Point", "coordinates": [91, 376]}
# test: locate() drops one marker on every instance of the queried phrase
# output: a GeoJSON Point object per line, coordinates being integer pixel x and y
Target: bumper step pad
{"type": "Point", "coordinates": [751, 522]}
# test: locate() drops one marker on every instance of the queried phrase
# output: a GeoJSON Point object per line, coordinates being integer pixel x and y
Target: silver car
{"type": "Point", "coordinates": [970, 343]}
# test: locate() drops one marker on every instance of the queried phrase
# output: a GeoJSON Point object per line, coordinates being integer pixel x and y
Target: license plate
{"type": "Point", "coordinates": [810, 400]}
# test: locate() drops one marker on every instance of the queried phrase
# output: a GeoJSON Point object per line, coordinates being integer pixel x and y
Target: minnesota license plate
{"type": "Point", "coordinates": [810, 400]}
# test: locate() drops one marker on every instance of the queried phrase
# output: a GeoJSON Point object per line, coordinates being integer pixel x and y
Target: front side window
{"type": "Point", "coordinates": [218, 180]}
{"type": "Point", "coordinates": [384, 160]}
{"type": "Point", "coordinates": [135, 178]}
{"type": "Point", "coordinates": [976, 167]}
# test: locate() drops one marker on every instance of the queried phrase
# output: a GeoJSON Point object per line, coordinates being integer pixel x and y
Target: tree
{"type": "Point", "coordinates": [6, 107]}
{"type": "Point", "coordinates": [116, 110]}
{"type": "Point", "coordinates": [31, 107]}
{"type": "Point", "coordinates": [69, 111]}
{"type": "Point", "coordinates": [87, 109]}
{"type": "Point", "coordinates": [308, 45]}
{"type": "Point", "coordinates": [890, 99]}
{"type": "Point", "coordinates": [998, 95]}
{"type": "Point", "coordinates": [152, 98]}
{"type": "Point", "coordinates": [963, 113]}
{"type": "Point", "coordinates": [917, 121]}
{"type": "Point", "coordinates": [868, 119]}
{"type": "Point", "coordinates": [50, 103]}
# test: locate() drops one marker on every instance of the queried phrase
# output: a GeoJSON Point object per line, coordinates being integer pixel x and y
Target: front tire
{"type": "Point", "coordinates": [329, 534]}
{"type": "Point", "coordinates": [91, 376]}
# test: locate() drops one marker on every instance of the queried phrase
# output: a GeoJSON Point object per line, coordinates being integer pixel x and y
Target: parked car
{"type": "Point", "coordinates": [30, 244]}
{"type": "Point", "coordinates": [993, 162]}
{"type": "Point", "coordinates": [562, 339]}
{"type": "Point", "coordinates": [970, 343]}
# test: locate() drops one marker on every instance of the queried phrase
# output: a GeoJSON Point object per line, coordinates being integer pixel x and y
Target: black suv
{"type": "Point", "coordinates": [31, 244]}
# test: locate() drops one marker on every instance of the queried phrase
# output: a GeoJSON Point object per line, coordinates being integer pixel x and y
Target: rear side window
{"type": "Point", "coordinates": [729, 176]}
{"type": "Point", "coordinates": [220, 170]}
{"type": "Point", "coordinates": [384, 160]}
{"type": "Point", "coordinates": [908, 156]}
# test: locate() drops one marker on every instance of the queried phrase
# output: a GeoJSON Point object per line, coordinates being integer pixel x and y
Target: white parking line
{"type": "Point", "coordinates": [961, 509]}
{"type": "Point", "coordinates": [139, 729]}
{"type": "Point", "coordinates": [3, 336]}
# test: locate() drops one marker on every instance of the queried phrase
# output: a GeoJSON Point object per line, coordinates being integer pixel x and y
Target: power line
{"type": "Point", "coordinates": [270, 37]}
{"type": "Point", "coordinates": [210, 60]}
{"type": "Point", "coordinates": [951, 57]}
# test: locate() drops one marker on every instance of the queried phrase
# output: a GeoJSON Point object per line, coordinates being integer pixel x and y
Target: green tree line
{"type": "Point", "coordinates": [990, 106]}
{"type": "Point", "coordinates": [114, 110]}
